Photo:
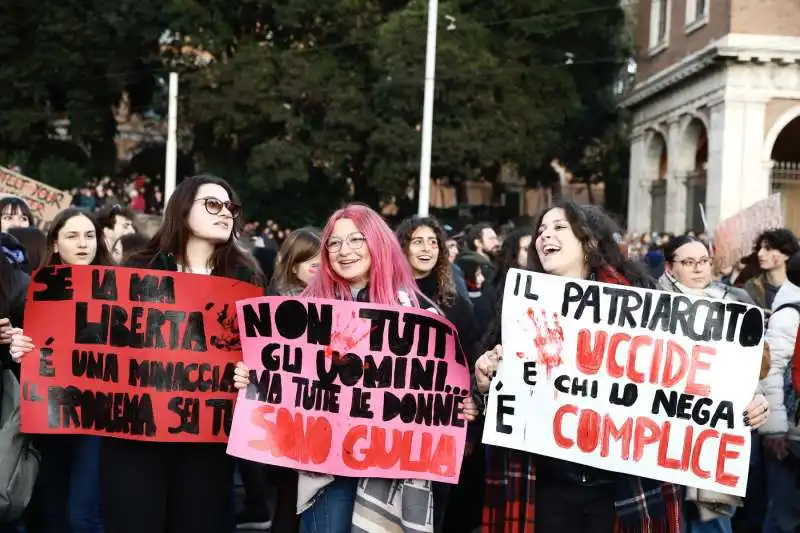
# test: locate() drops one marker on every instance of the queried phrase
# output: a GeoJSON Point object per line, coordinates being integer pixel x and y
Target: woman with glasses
{"type": "Point", "coordinates": [362, 261]}
{"type": "Point", "coordinates": [688, 270]}
{"type": "Point", "coordinates": [180, 487]}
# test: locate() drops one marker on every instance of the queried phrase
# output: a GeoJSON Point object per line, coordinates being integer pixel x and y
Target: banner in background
{"type": "Point", "coordinates": [45, 201]}
{"type": "Point", "coordinates": [735, 237]}
{"type": "Point", "coordinates": [133, 354]}
{"type": "Point", "coordinates": [637, 381]}
{"type": "Point", "coordinates": [350, 388]}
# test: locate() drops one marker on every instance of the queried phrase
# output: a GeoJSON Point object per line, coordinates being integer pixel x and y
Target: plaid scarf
{"type": "Point", "coordinates": [642, 505]}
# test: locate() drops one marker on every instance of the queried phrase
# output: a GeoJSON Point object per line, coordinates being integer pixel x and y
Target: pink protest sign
{"type": "Point", "coordinates": [348, 388]}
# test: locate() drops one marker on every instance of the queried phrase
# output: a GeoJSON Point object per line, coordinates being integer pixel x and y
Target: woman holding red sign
{"type": "Point", "coordinates": [362, 261]}
{"type": "Point", "coordinates": [180, 487]}
{"type": "Point", "coordinates": [67, 497]}
{"type": "Point", "coordinates": [166, 487]}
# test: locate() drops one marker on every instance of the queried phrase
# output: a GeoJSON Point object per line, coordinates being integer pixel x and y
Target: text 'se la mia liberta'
{"type": "Point", "coordinates": [141, 362]}
{"type": "Point", "coordinates": [640, 361]}
{"type": "Point", "coordinates": [317, 373]}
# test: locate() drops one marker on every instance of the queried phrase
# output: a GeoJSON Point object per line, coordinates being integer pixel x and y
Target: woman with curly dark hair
{"type": "Point", "coordinates": [526, 491]}
{"type": "Point", "coordinates": [424, 242]}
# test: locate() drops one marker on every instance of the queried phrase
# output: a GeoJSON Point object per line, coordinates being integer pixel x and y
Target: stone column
{"type": "Point", "coordinates": [676, 179]}
{"type": "Point", "coordinates": [639, 200]}
{"type": "Point", "coordinates": [736, 176]}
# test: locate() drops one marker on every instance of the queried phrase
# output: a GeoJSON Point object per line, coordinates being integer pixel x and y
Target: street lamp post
{"type": "Point", "coordinates": [427, 111]}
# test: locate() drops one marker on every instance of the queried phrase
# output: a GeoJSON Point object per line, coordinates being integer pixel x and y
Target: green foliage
{"type": "Point", "coordinates": [310, 103]}
{"type": "Point", "coordinates": [73, 59]}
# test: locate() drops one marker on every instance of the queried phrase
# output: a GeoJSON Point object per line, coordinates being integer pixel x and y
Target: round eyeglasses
{"type": "Point", "coordinates": [214, 206]}
{"type": "Point", "coordinates": [354, 241]}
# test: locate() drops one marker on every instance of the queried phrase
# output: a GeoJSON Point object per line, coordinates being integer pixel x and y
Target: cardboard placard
{"type": "Point", "coordinates": [45, 201]}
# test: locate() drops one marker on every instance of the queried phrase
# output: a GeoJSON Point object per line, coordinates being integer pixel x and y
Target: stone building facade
{"type": "Point", "coordinates": [716, 111]}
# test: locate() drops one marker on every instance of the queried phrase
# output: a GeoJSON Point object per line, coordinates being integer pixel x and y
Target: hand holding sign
{"type": "Point", "coordinates": [637, 381]}
{"type": "Point", "coordinates": [20, 344]}
{"type": "Point", "coordinates": [350, 388]}
{"type": "Point", "coordinates": [486, 368]}
{"type": "Point", "coordinates": [6, 330]}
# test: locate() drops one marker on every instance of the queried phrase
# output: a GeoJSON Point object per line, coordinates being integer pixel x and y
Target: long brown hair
{"type": "Point", "coordinates": [101, 256]}
{"type": "Point", "coordinates": [445, 286]}
{"type": "Point", "coordinates": [300, 246]}
{"type": "Point", "coordinates": [227, 259]}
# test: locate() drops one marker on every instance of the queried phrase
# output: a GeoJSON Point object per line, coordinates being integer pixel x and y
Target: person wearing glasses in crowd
{"type": "Point", "coordinates": [162, 487]}
{"type": "Point", "coordinates": [688, 270]}
{"type": "Point", "coordinates": [116, 222]}
{"type": "Point", "coordinates": [362, 261]}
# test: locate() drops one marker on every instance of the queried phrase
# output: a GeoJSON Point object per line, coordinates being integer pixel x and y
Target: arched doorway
{"type": "Point", "coordinates": [696, 139]}
{"type": "Point", "coordinates": [785, 177]}
{"type": "Point", "coordinates": [657, 166]}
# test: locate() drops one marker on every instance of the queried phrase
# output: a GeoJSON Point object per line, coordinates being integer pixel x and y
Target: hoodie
{"type": "Point", "coordinates": [781, 334]}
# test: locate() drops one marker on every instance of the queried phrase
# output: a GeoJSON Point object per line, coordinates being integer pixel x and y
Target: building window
{"type": "Point", "coordinates": [659, 24]}
{"type": "Point", "coordinates": [696, 14]}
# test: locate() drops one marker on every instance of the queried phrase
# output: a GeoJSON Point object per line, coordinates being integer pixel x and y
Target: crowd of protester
{"type": "Point", "coordinates": [138, 192]}
{"type": "Point", "coordinates": [94, 484]}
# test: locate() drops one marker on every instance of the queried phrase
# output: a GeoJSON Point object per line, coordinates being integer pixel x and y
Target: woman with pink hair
{"type": "Point", "coordinates": [362, 261]}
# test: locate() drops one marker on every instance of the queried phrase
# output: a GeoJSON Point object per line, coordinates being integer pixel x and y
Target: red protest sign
{"type": "Point", "coordinates": [350, 388]}
{"type": "Point", "coordinates": [131, 353]}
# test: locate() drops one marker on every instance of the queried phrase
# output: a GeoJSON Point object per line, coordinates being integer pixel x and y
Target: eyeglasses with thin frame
{"type": "Point", "coordinates": [692, 263]}
{"type": "Point", "coordinates": [214, 206]}
{"type": "Point", "coordinates": [354, 241]}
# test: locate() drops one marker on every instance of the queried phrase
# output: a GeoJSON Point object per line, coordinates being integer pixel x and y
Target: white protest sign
{"type": "Point", "coordinates": [637, 381]}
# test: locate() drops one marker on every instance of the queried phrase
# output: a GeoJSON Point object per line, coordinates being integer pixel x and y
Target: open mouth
{"type": "Point", "coordinates": [348, 262]}
{"type": "Point", "coordinates": [549, 249]}
{"type": "Point", "coordinates": [424, 258]}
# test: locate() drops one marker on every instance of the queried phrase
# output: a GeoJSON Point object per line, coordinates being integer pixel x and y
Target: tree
{"type": "Point", "coordinates": [72, 61]}
{"type": "Point", "coordinates": [334, 89]}
{"type": "Point", "coordinates": [305, 104]}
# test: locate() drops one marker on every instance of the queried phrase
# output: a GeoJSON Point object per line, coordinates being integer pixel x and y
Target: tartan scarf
{"type": "Point", "coordinates": [642, 505]}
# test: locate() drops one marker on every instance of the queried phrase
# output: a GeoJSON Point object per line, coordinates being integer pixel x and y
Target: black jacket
{"type": "Point", "coordinates": [16, 311]}
{"type": "Point", "coordinates": [165, 261]}
{"type": "Point", "coordinates": [459, 312]}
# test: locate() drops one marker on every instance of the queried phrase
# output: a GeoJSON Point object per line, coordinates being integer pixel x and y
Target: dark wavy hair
{"type": "Point", "coordinates": [101, 256]}
{"type": "Point", "coordinates": [445, 286]}
{"type": "Point", "coordinates": [595, 231]}
{"type": "Point", "coordinates": [172, 237]}
{"type": "Point", "coordinates": [781, 239]}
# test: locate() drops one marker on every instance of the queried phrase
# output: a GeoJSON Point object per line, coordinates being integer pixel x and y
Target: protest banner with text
{"type": "Point", "coordinates": [129, 353]}
{"type": "Point", "coordinates": [45, 201]}
{"type": "Point", "coordinates": [352, 389]}
{"type": "Point", "coordinates": [630, 380]}
{"type": "Point", "coordinates": [735, 237]}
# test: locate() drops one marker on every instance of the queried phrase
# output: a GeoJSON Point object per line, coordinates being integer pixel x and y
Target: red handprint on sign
{"type": "Point", "coordinates": [344, 339]}
{"type": "Point", "coordinates": [548, 339]}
